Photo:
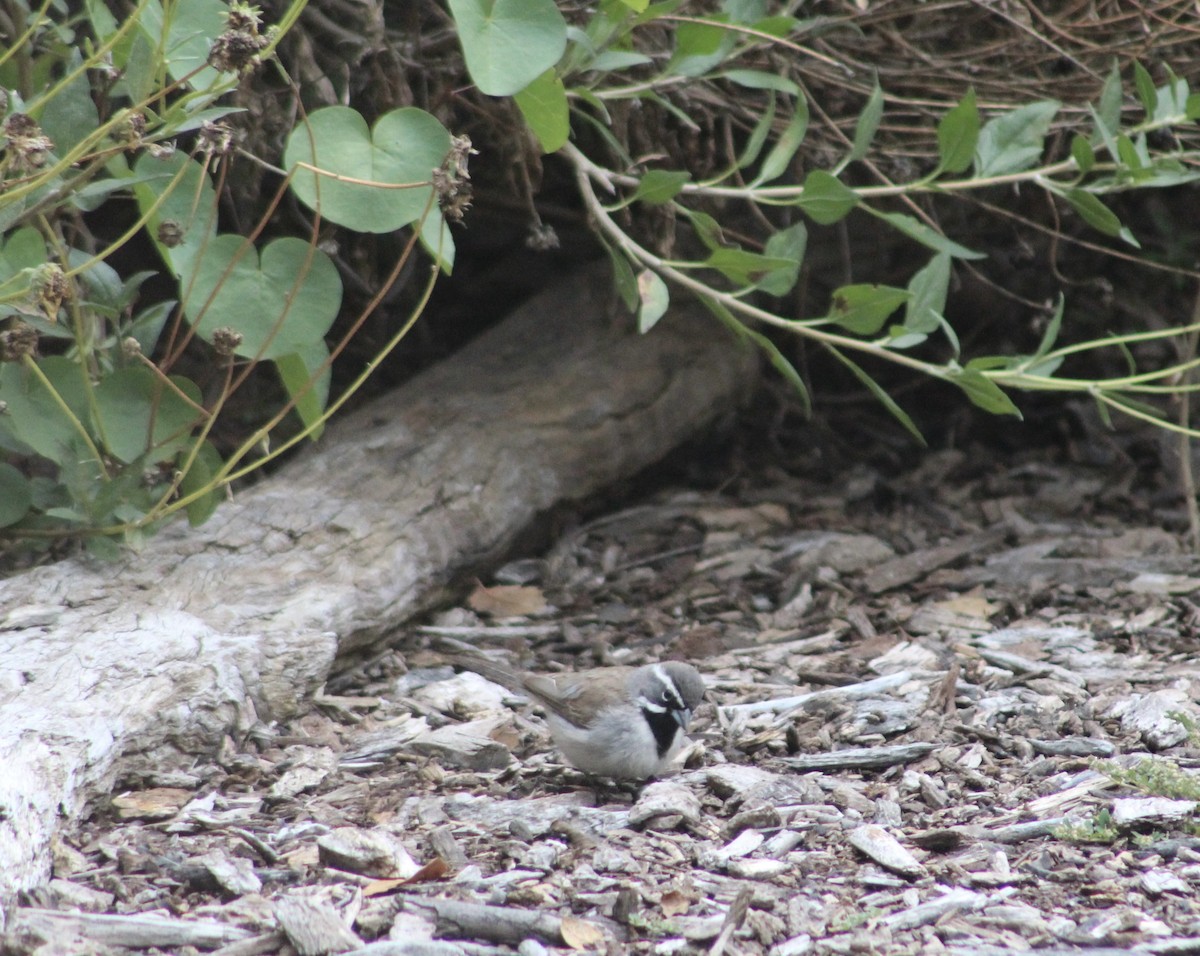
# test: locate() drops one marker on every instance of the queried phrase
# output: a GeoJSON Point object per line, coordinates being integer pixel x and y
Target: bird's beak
{"type": "Point", "coordinates": [682, 717]}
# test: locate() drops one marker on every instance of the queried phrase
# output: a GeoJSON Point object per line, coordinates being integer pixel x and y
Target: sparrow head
{"type": "Point", "coordinates": [671, 688]}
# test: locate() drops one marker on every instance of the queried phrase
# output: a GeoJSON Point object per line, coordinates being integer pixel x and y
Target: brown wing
{"type": "Point", "coordinates": [578, 697]}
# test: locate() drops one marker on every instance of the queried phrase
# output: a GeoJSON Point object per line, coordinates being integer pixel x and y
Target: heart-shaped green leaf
{"type": "Point", "coordinates": [280, 305]}
{"type": "Point", "coordinates": [509, 43]}
{"type": "Point", "coordinates": [15, 495]}
{"type": "Point", "coordinates": [403, 148]}
{"type": "Point", "coordinates": [185, 220]}
{"type": "Point", "coordinates": [138, 412]}
{"type": "Point", "coordinates": [34, 417]}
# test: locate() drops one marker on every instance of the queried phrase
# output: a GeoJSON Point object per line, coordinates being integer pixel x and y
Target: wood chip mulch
{"type": "Point", "coordinates": [949, 710]}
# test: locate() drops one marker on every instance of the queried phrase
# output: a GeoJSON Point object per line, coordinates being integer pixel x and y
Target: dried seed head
{"type": "Point", "coordinates": [133, 128]}
{"type": "Point", "coordinates": [237, 49]}
{"type": "Point", "coordinates": [226, 341]}
{"type": "Point", "coordinates": [161, 150]}
{"type": "Point", "coordinates": [26, 147]}
{"type": "Point", "coordinates": [170, 233]}
{"type": "Point", "coordinates": [452, 180]}
{"type": "Point", "coordinates": [17, 342]}
{"type": "Point", "coordinates": [131, 347]}
{"type": "Point", "coordinates": [51, 288]}
{"type": "Point", "coordinates": [216, 138]}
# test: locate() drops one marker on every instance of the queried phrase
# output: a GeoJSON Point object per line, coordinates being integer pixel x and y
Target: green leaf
{"type": "Point", "coordinates": [880, 395]}
{"type": "Point", "coordinates": [927, 296]}
{"type": "Point", "coordinates": [1049, 337]}
{"type": "Point", "coordinates": [761, 80]}
{"type": "Point", "coordinates": [637, 6]}
{"type": "Point", "coordinates": [1107, 114]}
{"type": "Point", "coordinates": [613, 61]}
{"type": "Point", "coordinates": [743, 267]}
{"type": "Point", "coordinates": [1134, 158]}
{"type": "Point", "coordinates": [403, 147]}
{"type": "Point", "coordinates": [1144, 84]}
{"type": "Point", "coordinates": [281, 305]}
{"type": "Point", "coordinates": [699, 47]}
{"type": "Point", "coordinates": [543, 103]}
{"type": "Point", "coordinates": [32, 415]}
{"type": "Point", "coordinates": [1082, 153]}
{"type": "Point", "coordinates": [507, 44]}
{"type": "Point", "coordinates": [205, 467]}
{"type": "Point", "coordinates": [148, 324]}
{"type": "Point", "coordinates": [16, 495]}
{"type": "Point", "coordinates": [927, 236]}
{"type": "Point", "coordinates": [71, 116]}
{"type": "Point", "coordinates": [137, 413]}
{"type": "Point", "coordinates": [867, 125]}
{"type": "Point", "coordinates": [654, 297]}
{"type": "Point", "coordinates": [623, 278]}
{"type": "Point", "coordinates": [1096, 214]}
{"type": "Point", "coordinates": [660, 186]}
{"type": "Point", "coordinates": [1014, 142]}
{"type": "Point", "coordinates": [758, 136]}
{"type": "Point", "coordinates": [825, 200]}
{"type": "Point", "coordinates": [708, 230]}
{"type": "Point", "coordinates": [780, 156]}
{"type": "Point", "coordinates": [780, 363]}
{"type": "Point", "coordinates": [777, 359]}
{"type": "Point", "coordinates": [779, 25]}
{"type": "Point", "coordinates": [296, 371]}
{"type": "Point", "coordinates": [958, 134]}
{"type": "Point", "coordinates": [183, 39]}
{"type": "Point", "coordinates": [983, 392]}
{"type": "Point", "coordinates": [790, 244]}
{"type": "Point", "coordinates": [863, 309]}
{"type": "Point", "coordinates": [190, 210]}
{"type": "Point", "coordinates": [23, 249]}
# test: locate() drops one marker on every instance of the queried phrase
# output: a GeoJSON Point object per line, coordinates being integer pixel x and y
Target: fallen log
{"type": "Point", "coordinates": [205, 631]}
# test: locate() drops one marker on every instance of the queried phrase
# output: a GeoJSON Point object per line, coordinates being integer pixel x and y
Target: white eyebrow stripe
{"type": "Point", "coordinates": [670, 691]}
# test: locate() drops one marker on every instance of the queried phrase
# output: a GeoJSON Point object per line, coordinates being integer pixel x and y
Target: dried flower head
{"type": "Point", "coordinates": [216, 139]}
{"type": "Point", "coordinates": [130, 347]}
{"type": "Point", "coordinates": [133, 128]}
{"type": "Point", "coordinates": [452, 180]}
{"type": "Point", "coordinates": [17, 342]}
{"type": "Point", "coordinates": [170, 233]}
{"type": "Point", "coordinates": [237, 49]}
{"type": "Point", "coordinates": [226, 341]}
{"type": "Point", "coordinates": [50, 287]}
{"type": "Point", "coordinates": [26, 147]}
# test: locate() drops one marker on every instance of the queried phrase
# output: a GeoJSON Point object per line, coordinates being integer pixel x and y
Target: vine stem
{"type": "Point", "coordinates": [589, 175]}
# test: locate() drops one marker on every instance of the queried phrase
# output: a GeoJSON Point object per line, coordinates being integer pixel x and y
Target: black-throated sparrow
{"type": "Point", "coordinates": [620, 722]}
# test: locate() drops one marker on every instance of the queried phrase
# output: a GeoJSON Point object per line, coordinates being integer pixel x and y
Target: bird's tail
{"type": "Point", "coordinates": [466, 657]}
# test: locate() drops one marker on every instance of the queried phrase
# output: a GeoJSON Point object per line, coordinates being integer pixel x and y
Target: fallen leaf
{"type": "Point", "coordinates": [579, 933]}
{"type": "Point", "coordinates": [507, 600]}
{"type": "Point", "coordinates": [435, 869]}
{"type": "Point", "coordinates": [674, 903]}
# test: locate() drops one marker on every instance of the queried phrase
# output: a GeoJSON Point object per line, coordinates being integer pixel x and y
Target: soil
{"type": "Point", "coordinates": [951, 706]}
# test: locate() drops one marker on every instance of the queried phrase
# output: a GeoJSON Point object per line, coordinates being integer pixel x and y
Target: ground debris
{"type": "Point", "coordinates": [901, 750]}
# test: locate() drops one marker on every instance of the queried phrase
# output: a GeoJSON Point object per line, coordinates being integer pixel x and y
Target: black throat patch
{"type": "Point", "coordinates": [664, 727]}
